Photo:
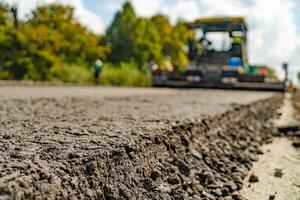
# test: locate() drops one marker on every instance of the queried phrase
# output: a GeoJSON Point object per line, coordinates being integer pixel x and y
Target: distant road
{"type": "Point", "coordinates": [12, 92]}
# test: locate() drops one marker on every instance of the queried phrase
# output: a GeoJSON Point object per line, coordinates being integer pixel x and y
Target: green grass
{"type": "Point", "coordinates": [71, 74]}
{"type": "Point", "coordinates": [125, 74]}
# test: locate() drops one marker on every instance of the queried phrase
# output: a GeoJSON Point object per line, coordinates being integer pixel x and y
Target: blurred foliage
{"type": "Point", "coordinates": [5, 40]}
{"type": "Point", "coordinates": [146, 40]}
{"type": "Point", "coordinates": [125, 74]}
{"type": "Point", "coordinates": [172, 39]}
{"type": "Point", "coordinates": [51, 45]}
{"type": "Point", "coordinates": [76, 74]}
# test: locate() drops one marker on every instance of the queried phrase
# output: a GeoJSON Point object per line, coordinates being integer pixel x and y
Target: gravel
{"type": "Point", "coordinates": [111, 143]}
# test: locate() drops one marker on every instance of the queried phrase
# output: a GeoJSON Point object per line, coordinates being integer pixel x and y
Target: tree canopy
{"type": "Point", "coordinates": [144, 40]}
{"type": "Point", "coordinates": [52, 45]}
{"type": "Point", "coordinates": [50, 38]}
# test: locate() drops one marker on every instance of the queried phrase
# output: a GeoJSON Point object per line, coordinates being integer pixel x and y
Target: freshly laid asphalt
{"type": "Point", "coordinates": [40, 126]}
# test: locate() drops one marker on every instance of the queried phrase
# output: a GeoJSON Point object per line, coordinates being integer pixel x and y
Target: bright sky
{"type": "Point", "coordinates": [274, 35]}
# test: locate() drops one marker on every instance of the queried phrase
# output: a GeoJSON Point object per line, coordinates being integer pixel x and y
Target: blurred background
{"type": "Point", "coordinates": [59, 41]}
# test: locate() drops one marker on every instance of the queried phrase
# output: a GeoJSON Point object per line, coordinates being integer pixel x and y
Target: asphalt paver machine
{"type": "Point", "coordinates": [218, 58]}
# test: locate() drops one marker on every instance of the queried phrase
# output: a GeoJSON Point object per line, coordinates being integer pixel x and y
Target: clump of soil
{"type": "Point", "coordinates": [253, 178]}
{"type": "Point", "coordinates": [296, 144]}
{"type": "Point", "coordinates": [190, 159]}
{"type": "Point", "coordinates": [272, 197]}
{"type": "Point", "coordinates": [278, 173]}
{"type": "Point", "coordinates": [296, 134]}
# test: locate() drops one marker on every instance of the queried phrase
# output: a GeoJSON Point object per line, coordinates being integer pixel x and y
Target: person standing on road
{"type": "Point", "coordinates": [98, 65]}
{"type": "Point", "coordinates": [236, 48]}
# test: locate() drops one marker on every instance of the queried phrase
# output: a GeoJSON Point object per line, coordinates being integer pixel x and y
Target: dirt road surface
{"type": "Point", "coordinates": [126, 143]}
{"type": "Point", "coordinates": [278, 169]}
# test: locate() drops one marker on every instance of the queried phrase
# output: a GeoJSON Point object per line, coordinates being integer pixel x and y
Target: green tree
{"type": "Point", "coordinates": [119, 35]}
{"type": "Point", "coordinates": [50, 40]}
{"type": "Point", "coordinates": [5, 41]}
{"type": "Point", "coordinates": [133, 38]}
{"type": "Point", "coordinates": [163, 26]}
{"type": "Point", "coordinates": [52, 45]}
{"type": "Point", "coordinates": [180, 36]}
{"type": "Point", "coordinates": [4, 14]}
{"type": "Point", "coordinates": [147, 45]}
{"type": "Point", "coordinates": [77, 44]}
{"type": "Point", "coordinates": [173, 40]}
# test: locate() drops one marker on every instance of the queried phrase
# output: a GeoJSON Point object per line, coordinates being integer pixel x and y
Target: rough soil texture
{"type": "Point", "coordinates": [278, 171]}
{"type": "Point", "coordinates": [296, 103]}
{"type": "Point", "coordinates": [108, 143]}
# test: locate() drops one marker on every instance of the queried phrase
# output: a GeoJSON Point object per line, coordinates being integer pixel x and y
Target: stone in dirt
{"type": "Point", "coordinates": [237, 196]}
{"type": "Point", "coordinates": [281, 156]}
{"type": "Point", "coordinates": [253, 178]}
{"type": "Point", "coordinates": [272, 197]}
{"type": "Point", "coordinates": [231, 186]}
{"type": "Point", "coordinates": [278, 173]}
{"type": "Point", "coordinates": [296, 144]}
